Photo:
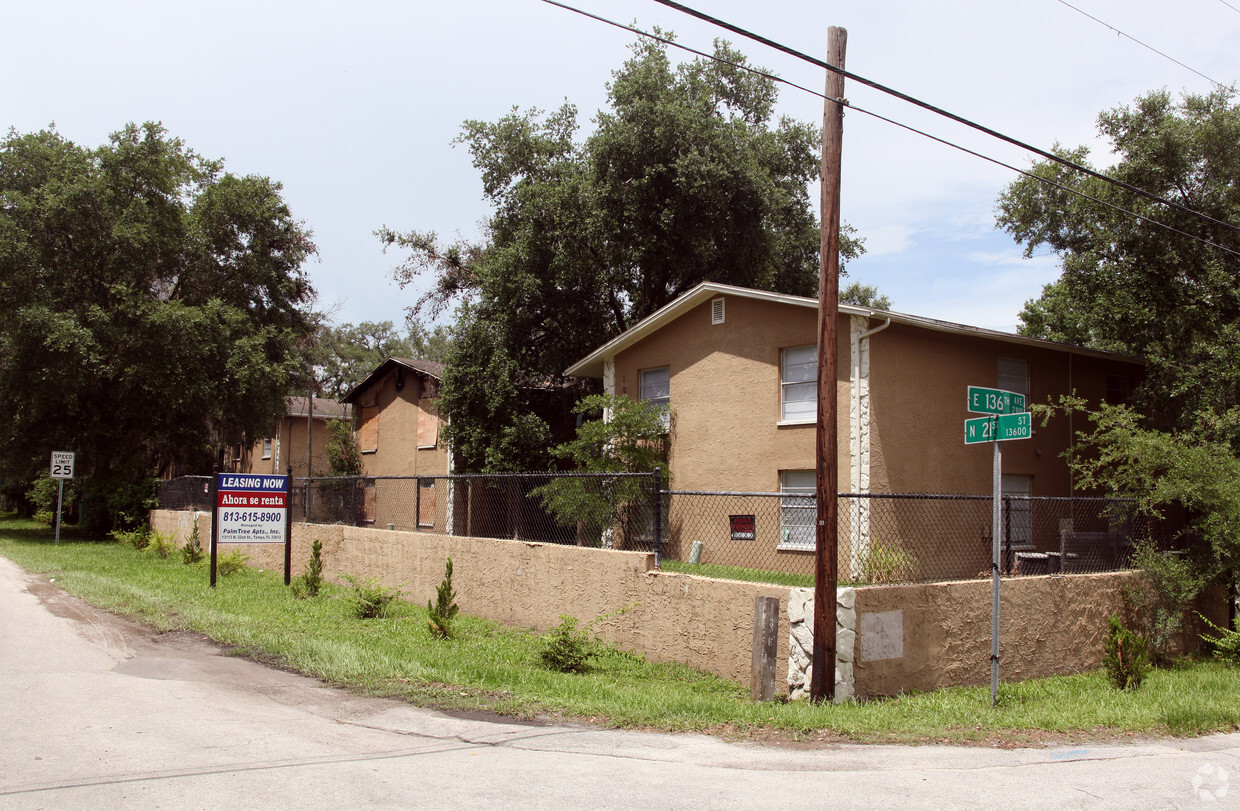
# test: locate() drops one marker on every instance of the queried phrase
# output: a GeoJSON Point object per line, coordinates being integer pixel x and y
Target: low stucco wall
{"type": "Point", "coordinates": [697, 621]}
{"type": "Point", "coordinates": [926, 636]}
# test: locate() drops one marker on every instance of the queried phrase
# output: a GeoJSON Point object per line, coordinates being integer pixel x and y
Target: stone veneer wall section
{"type": "Point", "coordinates": [801, 642]}
{"type": "Point", "coordinates": [701, 622]}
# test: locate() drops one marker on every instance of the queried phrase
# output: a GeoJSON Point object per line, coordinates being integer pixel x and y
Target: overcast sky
{"type": "Point", "coordinates": [354, 108]}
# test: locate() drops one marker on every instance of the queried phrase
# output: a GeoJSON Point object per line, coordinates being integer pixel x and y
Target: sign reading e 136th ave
{"type": "Point", "coordinates": [251, 508]}
{"type": "Point", "coordinates": [995, 401]}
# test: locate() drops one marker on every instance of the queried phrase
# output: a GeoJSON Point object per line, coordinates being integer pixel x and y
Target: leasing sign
{"type": "Point", "coordinates": [251, 508]}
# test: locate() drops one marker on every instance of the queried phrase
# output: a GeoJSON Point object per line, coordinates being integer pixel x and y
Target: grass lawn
{"type": "Point", "coordinates": [494, 668]}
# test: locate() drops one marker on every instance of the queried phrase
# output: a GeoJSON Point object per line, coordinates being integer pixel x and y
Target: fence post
{"type": "Point", "coordinates": [765, 647]}
{"type": "Point", "coordinates": [657, 478]}
{"type": "Point", "coordinates": [1007, 533]}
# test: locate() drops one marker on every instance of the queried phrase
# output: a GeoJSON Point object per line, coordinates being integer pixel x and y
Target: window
{"type": "Point", "coordinates": [1019, 518]}
{"type": "Point", "coordinates": [266, 448]}
{"type": "Point", "coordinates": [428, 423]}
{"type": "Point", "coordinates": [656, 387]}
{"type": "Point", "coordinates": [798, 375]}
{"type": "Point", "coordinates": [798, 509]}
{"type": "Point", "coordinates": [1014, 376]}
{"type": "Point", "coordinates": [368, 430]}
{"type": "Point", "coordinates": [1117, 389]}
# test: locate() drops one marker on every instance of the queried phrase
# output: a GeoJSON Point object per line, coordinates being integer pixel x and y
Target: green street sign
{"type": "Point", "coordinates": [998, 428]}
{"type": "Point", "coordinates": [995, 401]}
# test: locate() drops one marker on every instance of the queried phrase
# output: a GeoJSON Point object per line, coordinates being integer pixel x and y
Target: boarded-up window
{"type": "Point", "coordinates": [426, 503]}
{"type": "Point", "coordinates": [368, 431]}
{"type": "Point", "coordinates": [428, 423]}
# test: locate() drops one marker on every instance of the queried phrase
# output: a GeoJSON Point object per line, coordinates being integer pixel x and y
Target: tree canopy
{"type": "Point", "coordinates": [1134, 287]}
{"type": "Point", "coordinates": [344, 355]}
{"type": "Point", "coordinates": [685, 178]}
{"type": "Point", "coordinates": [155, 305]}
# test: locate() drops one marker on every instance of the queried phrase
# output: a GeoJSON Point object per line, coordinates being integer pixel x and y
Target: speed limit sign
{"type": "Point", "coordinates": [62, 465]}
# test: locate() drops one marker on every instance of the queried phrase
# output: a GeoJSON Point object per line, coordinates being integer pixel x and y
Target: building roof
{"type": "Point", "coordinates": [592, 364]}
{"type": "Point", "coordinates": [427, 368]}
{"type": "Point", "coordinates": [324, 409]}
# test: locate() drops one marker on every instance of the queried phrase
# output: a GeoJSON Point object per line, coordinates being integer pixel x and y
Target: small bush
{"type": "Point", "coordinates": [231, 563]}
{"type": "Point", "coordinates": [1127, 659]}
{"type": "Point", "coordinates": [371, 599]}
{"type": "Point", "coordinates": [137, 538]}
{"type": "Point", "coordinates": [1227, 643]}
{"type": "Point", "coordinates": [160, 544]}
{"type": "Point", "coordinates": [311, 581]}
{"type": "Point", "coordinates": [45, 518]}
{"type": "Point", "coordinates": [566, 649]}
{"type": "Point", "coordinates": [443, 611]}
{"type": "Point", "coordinates": [885, 563]}
{"type": "Point", "coordinates": [192, 552]}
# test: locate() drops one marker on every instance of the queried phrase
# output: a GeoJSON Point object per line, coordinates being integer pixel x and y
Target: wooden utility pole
{"type": "Point", "coordinates": [826, 564]}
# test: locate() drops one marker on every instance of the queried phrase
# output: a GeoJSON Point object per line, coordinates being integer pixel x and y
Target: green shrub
{"type": "Point", "coordinates": [192, 552]}
{"type": "Point", "coordinates": [137, 538]}
{"type": "Point", "coordinates": [231, 563]}
{"type": "Point", "coordinates": [1127, 659]}
{"type": "Point", "coordinates": [370, 598]}
{"type": "Point", "coordinates": [887, 563]}
{"type": "Point", "coordinates": [45, 518]}
{"type": "Point", "coordinates": [311, 581]}
{"type": "Point", "coordinates": [565, 648]}
{"type": "Point", "coordinates": [443, 610]}
{"type": "Point", "coordinates": [159, 543]}
{"type": "Point", "coordinates": [1227, 644]}
{"type": "Point", "coordinates": [1174, 580]}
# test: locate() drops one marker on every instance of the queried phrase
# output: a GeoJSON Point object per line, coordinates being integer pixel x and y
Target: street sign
{"type": "Point", "coordinates": [62, 465]}
{"type": "Point", "coordinates": [995, 401]}
{"type": "Point", "coordinates": [998, 428]}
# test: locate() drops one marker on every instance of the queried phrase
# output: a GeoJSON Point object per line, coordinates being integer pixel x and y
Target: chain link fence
{"type": "Point", "coordinates": [763, 537]}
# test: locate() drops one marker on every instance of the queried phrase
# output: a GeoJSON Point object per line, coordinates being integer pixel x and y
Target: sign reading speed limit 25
{"type": "Point", "coordinates": [62, 465]}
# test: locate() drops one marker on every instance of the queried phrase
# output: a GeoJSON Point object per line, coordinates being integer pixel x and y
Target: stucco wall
{"type": "Point", "coordinates": [922, 637]}
{"type": "Point", "coordinates": [705, 623]}
{"type": "Point", "coordinates": [914, 637]}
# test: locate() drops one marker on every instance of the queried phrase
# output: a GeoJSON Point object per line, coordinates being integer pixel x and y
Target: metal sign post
{"type": "Point", "coordinates": [1008, 420]}
{"type": "Point", "coordinates": [62, 468]}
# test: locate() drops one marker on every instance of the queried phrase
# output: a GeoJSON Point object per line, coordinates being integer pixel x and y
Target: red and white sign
{"type": "Point", "coordinates": [251, 508]}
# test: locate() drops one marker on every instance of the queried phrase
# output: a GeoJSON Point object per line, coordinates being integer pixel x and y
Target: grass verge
{"type": "Point", "coordinates": [490, 667]}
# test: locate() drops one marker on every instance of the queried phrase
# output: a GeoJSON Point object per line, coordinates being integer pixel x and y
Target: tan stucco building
{"type": "Point", "coordinates": [398, 425]}
{"type": "Point", "coordinates": [738, 369]}
{"type": "Point", "coordinates": [299, 435]}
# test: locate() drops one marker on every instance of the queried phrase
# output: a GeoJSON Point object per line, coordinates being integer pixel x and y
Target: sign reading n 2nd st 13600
{"type": "Point", "coordinates": [251, 508]}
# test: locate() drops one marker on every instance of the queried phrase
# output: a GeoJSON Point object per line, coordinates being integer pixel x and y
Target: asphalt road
{"type": "Point", "coordinates": [97, 712]}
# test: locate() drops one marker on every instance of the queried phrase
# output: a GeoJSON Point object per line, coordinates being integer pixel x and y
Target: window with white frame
{"type": "Point", "coordinates": [798, 509]}
{"type": "Point", "coordinates": [1014, 376]}
{"type": "Point", "coordinates": [266, 448]}
{"type": "Point", "coordinates": [656, 387]}
{"type": "Point", "coordinates": [798, 383]}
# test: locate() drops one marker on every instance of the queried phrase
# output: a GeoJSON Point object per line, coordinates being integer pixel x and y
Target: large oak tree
{"type": "Point", "coordinates": [154, 306]}
{"type": "Point", "coordinates": [686, 177]}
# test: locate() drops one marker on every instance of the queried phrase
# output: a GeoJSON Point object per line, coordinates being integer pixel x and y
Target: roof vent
{"type": "Point", "coordinates": [716, 311]}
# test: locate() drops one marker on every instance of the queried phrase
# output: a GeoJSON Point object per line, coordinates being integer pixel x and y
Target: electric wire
{"type": "Point", "coordinates": [849, 105]}
{"type": "Point", "coordinates": [937, 110]}
{"type": "Point", "coordinates": [1139, 42]}
{"type": "Point", "coordinates": [1230, 6]}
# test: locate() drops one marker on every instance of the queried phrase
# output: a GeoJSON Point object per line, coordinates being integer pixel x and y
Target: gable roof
{"type": "Point", "coordinates": [592, 364]}
{"type": "Point", "coordinates": [324, 409]}
{"type": "Point", "coordinates": [426, 368]}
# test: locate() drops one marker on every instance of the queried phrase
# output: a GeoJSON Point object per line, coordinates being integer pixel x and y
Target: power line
{"type": "Point", "coordinates": [1142, 44]}
{"type": "Point", "coordinates": [902, 125]}
{"type": "Point", "coordinates": [937, 110]}
{"type": "Point", "coordinates": [1230, 6]}
{"type": "Point", "coordinates": [851, 106]}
